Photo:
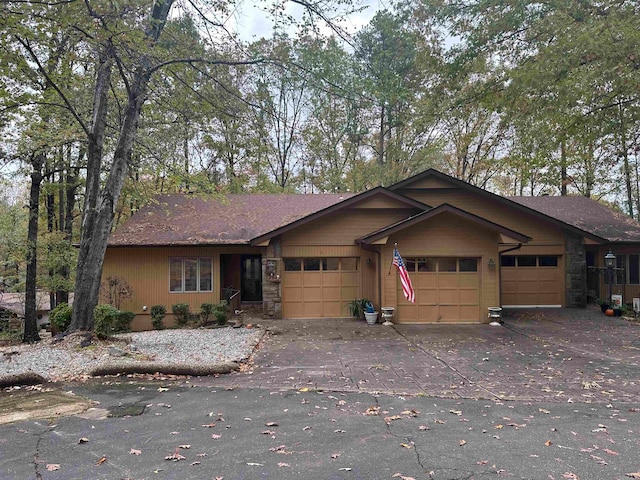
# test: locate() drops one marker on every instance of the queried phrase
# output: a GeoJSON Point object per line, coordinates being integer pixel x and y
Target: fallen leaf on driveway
{"type": "Point", "coordinates": [548, 443]}
{"type": "Point", "coordinates": [372, 411]}
{"type": "Point", "coordinates": [345, 469]}
{"type": "Point", "coordinates": [633, 475]}
{"type": "Point", "coordinates": [209, 425]}
{"type": "Point", "coordinates": [335, 455]}
{"type": "Point", "coordinates": [133, 451]}
{"type": "Point", "coordinates": [251, 464]}
{"type": "Point", "coordinates": [52, 467]}
{"type": "Point", "coordinates": [401, 477]}
{"type": "Point", "coordinates": [462, 442]}
{"type": "Point", "coordinates": [175, 456]}
{"type": "Point", "coordinates": [101, 460]}
{"type": "Point", "coordinates": [215, 437]}
{"type": "Point", "coordinates": [610, 452]}
{"type": "Point", "coordinates": [186, 447]}
{"type": "Point", "coordinates": [83, 440]}
{"type": "Point", "coordinates": [405, 445]}
{"type": "Point", "coordinates": [570, 475]}
{"type": "Point", "coordinates": [282, 464]}
{"type": "Point", "coordinates": [271, 424]}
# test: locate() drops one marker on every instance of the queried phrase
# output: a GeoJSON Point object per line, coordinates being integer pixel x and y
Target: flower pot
{"type": "Point", "coordinates": [371, 317]}
{"type": "Point", "coordinates": [604, 307]}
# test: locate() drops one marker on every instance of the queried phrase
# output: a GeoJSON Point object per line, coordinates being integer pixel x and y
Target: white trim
{"type": "Point", "coordinates": [531, 306]}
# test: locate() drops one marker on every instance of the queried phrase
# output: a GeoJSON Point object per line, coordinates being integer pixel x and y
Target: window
{"type": "Point", "coordinates": [292, 264]}
{"type": "Point", "coordinates": [634, 270]}
{"type": "Point", "coordinates": [447, 265]}
{"type": "Point", "coordinates": [620, 272]}
{"type": "Point", "coordinates": [191, 274]}
{"type": "Point", "coordinates": [311, 264]}
{"type": "Point", "coordinates": [508, 261]}
{"type": "Point", "coordinates": [548, 261]}
{"type": "Point", "coordinates": [527, 261]}
{"type": "Point", "coordinates": [468, 264]}
{"type": "Point", "coordinates": [349, 264]}
{"type": "Point", "coordinates": [426, 264]}
{"type": "Point", "coordinates": [330, 264]}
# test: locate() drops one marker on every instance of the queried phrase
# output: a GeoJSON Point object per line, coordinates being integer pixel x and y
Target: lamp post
{"type": "Point", "coordinates": [610, 263]}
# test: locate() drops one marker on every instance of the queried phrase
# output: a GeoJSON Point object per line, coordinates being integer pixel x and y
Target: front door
{"type": "Point", "coordinates": [251, 278]}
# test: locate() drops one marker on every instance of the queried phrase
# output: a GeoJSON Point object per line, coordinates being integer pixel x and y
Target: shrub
{"type": "Point", "coordinates": [60, 317]}
{"type": "Point", "coordinates": [181, 313]}
{"type": "Point", "coordinates": [123, 321]}
{"type": "Point", "coordinates": [206, 312]}
{"type": "Point", "coordinates": [104, 320]}
{"type": "Point", "coordinates": [157, 315]}
{"type": "Point", "coordinates": [220, 312]}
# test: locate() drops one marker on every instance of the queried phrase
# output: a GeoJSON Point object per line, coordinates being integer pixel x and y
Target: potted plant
{"type": "Point", "coordinates": [357, 307]}
{"type": "Point", "coordinates": [604, 304]}
{"type": "Point", "coordinates": [370, 314]}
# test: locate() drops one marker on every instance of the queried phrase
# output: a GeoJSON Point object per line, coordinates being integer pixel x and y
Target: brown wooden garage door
{"type": "Point", "coordinates": [447, 290]}
{"type": "Point", "coordinates": [531, 281]}
{"type": "Point", "coordinates": [319, 287]}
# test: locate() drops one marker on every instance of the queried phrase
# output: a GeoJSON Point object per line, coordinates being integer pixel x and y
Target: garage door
{"type": "Point", "coordinates": [447, 290]}
{"type": "Point", "coordinates": [531, 281]}
{"type": "Point", "coordinates": [319, 287]}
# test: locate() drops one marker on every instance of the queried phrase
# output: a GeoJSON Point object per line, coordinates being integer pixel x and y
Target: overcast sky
{"type": "Point", "coordinates": [253, 21]}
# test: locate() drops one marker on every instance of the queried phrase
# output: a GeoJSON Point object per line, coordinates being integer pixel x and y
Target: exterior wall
{"type": "Point", "coordinates": [540, 232]}
{"type": "Point", "coordinates": [628, 291]}
{"type": "Point", "coordinates": [445, 236]}
{"type": "Point", "coordinates": [146, 270]}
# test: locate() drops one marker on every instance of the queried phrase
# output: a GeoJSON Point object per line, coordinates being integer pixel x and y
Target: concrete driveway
{"type": "Point", "coordinates": [565, 355]}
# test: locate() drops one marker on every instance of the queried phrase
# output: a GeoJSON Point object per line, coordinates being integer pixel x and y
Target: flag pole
{"type": "Point", "coordinates": [395, 245]}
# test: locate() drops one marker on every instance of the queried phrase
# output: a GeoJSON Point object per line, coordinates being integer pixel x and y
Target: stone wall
{"type": "Point", "coordinates": [271, 281]}
{"type": "Point", "coordinates": [575, 271]}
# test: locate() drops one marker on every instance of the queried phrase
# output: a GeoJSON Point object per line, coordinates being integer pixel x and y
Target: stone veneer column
{"type": "Point", "coordinates": [272, 280]}
{"type": "Point", "coordinates": [575, 271]}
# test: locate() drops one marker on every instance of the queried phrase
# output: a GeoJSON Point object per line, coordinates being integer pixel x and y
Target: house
{"type": "Point", "coordinates": [12, 306]}
{"type": "Point", "coordinates": [307, 256]}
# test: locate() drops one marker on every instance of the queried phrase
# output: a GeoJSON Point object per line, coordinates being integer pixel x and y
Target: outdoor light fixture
{"type": "Point", "coordinates": [492, 264]}
{"type": "Point", "coordinates": [610, 263]}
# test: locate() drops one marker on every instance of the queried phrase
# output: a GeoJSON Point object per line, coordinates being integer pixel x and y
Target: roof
{"type": "Point", "coordinates": [510, 201]}
{"type": "Point", "coordinates": [216, 220]}
{"type": "Point", "coordinates": [586, 214]}
{"type": "Point", "coordinates": [354, 200]}
{"type": "Point", "coordinates": [443, 208]}
{"type": "Point", "coordinates": [14, 302]}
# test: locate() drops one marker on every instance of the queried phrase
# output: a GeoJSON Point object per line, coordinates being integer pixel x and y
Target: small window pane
{"type": "Point", "coordinates": [426, 264]}
{"type": "Point", "coordinates": [468, 264]}
{"type": "Point", "coordinates": [330, 264]}
{"type": "Point", "coordinates": [190, 274]}
{"type": "Point", "coordinates": [175, 274]}
{"type": "Point", "coordinates": [634, 271]}
{"type": "Point", "coordinates": [206, 276]}
{"type": "Point", "coordinates": [410, 263]}
{"type": "Point", "coordinates": [447, 265]}
{"type": "Point", "coordinates": [349, 264]}
{"type": "Point", "coordinates": [620, 269]}
{"type": "Point", "coordinates": [527, 261]}
{"type": "Point", "coordinates": [508, 261]}
{"type": "Point", "coordinates": [548, 261]}
{"type": "Point", "coordinates": [311, 264]}
{"type": "Point", "coordinates": [292, 265]}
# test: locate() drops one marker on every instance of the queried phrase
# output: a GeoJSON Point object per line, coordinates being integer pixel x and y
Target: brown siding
{"type": "Point", "coordinates": [343, 228]}
{"type": "Point", "coordinates": [147, 272]}
{"type": "Point", "coordinates": [541, 232]}
{"type": "Point", "coordinates": [445, 236]}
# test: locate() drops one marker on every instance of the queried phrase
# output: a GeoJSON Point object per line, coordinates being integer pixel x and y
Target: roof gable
{"type": "Point", "coordinates": [380, 234]}
{"type": "Point", "coordinates": [432, 178]}
{"type": "Point", "coordinates": [378, 197]}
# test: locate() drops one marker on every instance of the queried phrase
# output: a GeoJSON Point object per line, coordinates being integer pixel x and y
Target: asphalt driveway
{"type": "Point", "coordinates": [566, 355]}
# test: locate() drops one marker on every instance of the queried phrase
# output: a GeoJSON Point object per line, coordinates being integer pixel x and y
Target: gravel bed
{"type": "Point", "coordinates": [68, 360]}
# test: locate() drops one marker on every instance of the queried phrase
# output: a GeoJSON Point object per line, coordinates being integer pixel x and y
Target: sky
{"type": "Point", "coordinates": [253, 21]}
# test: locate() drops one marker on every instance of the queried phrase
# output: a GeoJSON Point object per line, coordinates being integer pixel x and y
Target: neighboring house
{"type": "Point", "coordinates": [14, 303]}
{"type": "Point", "coordinates": [307, 256]}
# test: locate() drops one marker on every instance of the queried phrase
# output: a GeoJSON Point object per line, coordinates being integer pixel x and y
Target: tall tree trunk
{"type": "Point", "coordinates": [563, 167]}
{"type": "Point", "coordinates": [30, 333]}
{"type": "Point", "coordinates": [624, 152]}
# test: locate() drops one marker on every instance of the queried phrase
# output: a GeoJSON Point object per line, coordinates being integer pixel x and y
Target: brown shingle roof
{"type": "Point", "coordinates": [586, 214]}
{"type": "Point", "coordinates": [220, 220]}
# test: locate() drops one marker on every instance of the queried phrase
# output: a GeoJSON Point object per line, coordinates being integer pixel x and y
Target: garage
{"type": "Point", "coordinates": [531, 281]}
{"type": "Point", "coordinates": [447, 289]}
{"type": "Point", "coordinates": [319, 287]}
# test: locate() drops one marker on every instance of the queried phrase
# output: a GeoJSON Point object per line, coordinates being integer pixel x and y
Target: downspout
{"type": "Point", "coordinates": [500, 252]}
{"type": "Point", "coordinates": [369, 248]}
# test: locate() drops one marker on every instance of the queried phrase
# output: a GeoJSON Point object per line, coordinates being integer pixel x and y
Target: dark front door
{"type": "Point", "coordinates": [251, 278]}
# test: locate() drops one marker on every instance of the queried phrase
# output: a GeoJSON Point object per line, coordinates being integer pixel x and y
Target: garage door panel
{"type": "Point", "coordinates": [330, 278]}
{"type": "Point", "coordinates": [548, 287]}
{"type": "Point", "coordinates": [312, 309]}
{"type": "Point", "coordinates": [469, 297]}
{"type": "Point", "coordinates": [333, 309]}
{"type": "Point", "coordinates": [448, 297]}
{"type": "Point", "coordinates": [292, 279]}
{"type": "Point", "coordinates": [349, 293]}
{"type": "Point", "coordinates": [531, 285]}
{"type": "Point", "coordinates": [448, 280]}
{"type": "Point", "coordinates": [469, 313]}
{"type": "Point", "coordinates": [548, 274]}
{"type": "Point", "coordinates": [331, 294]}
{"type": "Point", "coordinates": [442, 296]}
{"type": "Point", "coordinates": [294, 310]}
{"type": "Point", "coordinates": [293, 294]}
{"type": "Point", "coordinates": [312, 294]}
{"type": "Point", "coordinates": [349, 279]}
{"type": "Point", "coordinates": [312, 279]}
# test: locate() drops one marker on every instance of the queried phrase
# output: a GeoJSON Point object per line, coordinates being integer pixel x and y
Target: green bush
{"type": "Point", "coordinates": [181, 313]}
{"type": "Point", "coordinates": [123, 321]}
{"type": "Point", "coordinates": [220, 312]}
{"type": "Point", "coordinates": [60, 317]}
{"type": "Point", "coordinates": [105, 317]}
{"type": "Point", "coordinates": [206, 312]}
{"type": "Point", "coordinates": [157, 315]}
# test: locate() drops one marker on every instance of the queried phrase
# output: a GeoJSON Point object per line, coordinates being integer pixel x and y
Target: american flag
{"type": "Point", "coordinates": [407, 288]}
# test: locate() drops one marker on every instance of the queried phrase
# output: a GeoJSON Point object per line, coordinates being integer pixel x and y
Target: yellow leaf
{"type": "Point", "coordinates": [548, 443]}
{"type": "Point", "coordinates": [462, 442]}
